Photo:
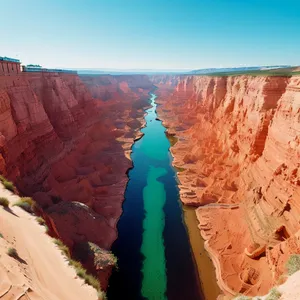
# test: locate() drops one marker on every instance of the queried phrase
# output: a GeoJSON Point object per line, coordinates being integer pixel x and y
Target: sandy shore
{"type": "Point", "coordinates": [204, 262]}
{"type": "Point", "coordinates": [41, 272]}
{"type": "Point", "coordinates": [206, 270]}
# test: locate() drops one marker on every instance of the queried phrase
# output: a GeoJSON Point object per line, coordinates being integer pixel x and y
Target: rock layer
{"type": "Point", "coordinates": [238, 155]}
{"type": "Point", "coordinates": [66, 141]}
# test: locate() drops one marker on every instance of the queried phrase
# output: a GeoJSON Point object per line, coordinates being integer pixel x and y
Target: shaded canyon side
{"type": "Point", "coordinates": [66, 140]}
{"type": "Point", "coordinates": [238, 154]}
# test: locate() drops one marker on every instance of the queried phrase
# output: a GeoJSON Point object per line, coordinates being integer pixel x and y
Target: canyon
{"type": "Point", "coordinates": [237, 154]}
{"type": "Point", "coordinates": [66, 141]}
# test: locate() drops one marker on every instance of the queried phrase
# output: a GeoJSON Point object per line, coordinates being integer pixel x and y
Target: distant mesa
{"type": "Point", "coordinates": [261, 70]}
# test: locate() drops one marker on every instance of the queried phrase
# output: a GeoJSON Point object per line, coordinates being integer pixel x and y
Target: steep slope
{"type": "Point", "coordinates": [40, 271]}
{"type": "Point", "coordinates": [238, 152]}
{"type": "Point", "coordinates": [70, 151]}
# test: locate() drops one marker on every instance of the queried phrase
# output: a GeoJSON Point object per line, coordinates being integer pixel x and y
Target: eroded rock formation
{"type": "Point", "coordinates": [238, 153]}
{"type": "Point", "coordinates": [66, 141]}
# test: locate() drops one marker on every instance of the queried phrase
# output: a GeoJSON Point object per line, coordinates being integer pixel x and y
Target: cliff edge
{"type": "Point", "coordinates": [65, 140]}
{"type": "Point", "coordinates": [238, 156]}
{"type": "Point", "coordinates": [31, 266]}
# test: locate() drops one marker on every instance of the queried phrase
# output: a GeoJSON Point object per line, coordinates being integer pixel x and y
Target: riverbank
{"type": "Point", "coordinates": [205, 267]}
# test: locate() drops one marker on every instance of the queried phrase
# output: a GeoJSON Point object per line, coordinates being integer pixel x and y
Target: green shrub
{"type": "Point", "coordinates": [4, 202]}
{"type": "Point", "coordinates": [8, 185]}
{"type": "Point", "coordinates": [12, 252]}
{"type": "Point", "coordinates": [274, 294]}
{"type": "Point", "coordinates": [88, 279]}
{"type": "Point", "coordinates": [28, 200]}
{"type": "Point", "coordinates": [64, 249]}
{"type": "Point", "coordinates": [82, 273]}
{"type": "Point", "coordinates": [41, 221]}
{"type": "Point", "coordinates": [93, 281]}
{"type": "Point", "coordinates": [2, 178]}
{"type": "Point", "coordinates": [74, 263]}
{"type": "Point", "coordinates": [1, 236]}
{"type": "Point", "coordinates": [293, 264]}
{"type": "Point", "coordinates": [26, 203]}
{"type": "Point", "coordinates": [80, 270]}
{"type": "Point", "coordinates": [24, 206]}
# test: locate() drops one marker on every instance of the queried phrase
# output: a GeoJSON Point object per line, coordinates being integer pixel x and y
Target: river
{"type": "Point", "coordinates": [155, 259]}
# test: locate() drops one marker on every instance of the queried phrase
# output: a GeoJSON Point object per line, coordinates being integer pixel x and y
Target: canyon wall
{"type": "Point", "coordinates": [65, 140]}
{"type": "Point", "coordinates": [238, 156]}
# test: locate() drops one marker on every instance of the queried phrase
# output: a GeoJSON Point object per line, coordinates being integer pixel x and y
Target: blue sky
{"type": "Point", "coordinates": [157, 34]}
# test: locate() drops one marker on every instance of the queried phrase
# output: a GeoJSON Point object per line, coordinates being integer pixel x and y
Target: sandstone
{"type": "Point", "coordinates": [238, 147]}
{"type": "Point", "coordinates": [58, 144]}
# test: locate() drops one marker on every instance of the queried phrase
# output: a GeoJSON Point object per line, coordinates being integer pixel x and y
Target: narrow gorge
{"type": "Point", "coordinates": [153, 247]}
{"type": "Point", "coordinates": [93, 153]}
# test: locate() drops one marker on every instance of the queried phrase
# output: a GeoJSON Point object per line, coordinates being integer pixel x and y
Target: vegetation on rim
{"type": "Point", "coordinates": [281, 72]}
{"type": "Point", "coordinates": [61, 246]}
{"type": "Point", "coordinates": [80, 270]}
{"type": "Point", "coordinates": [7, 184]}
{"type": "Point", "coordinates": [41, 221]}
{"type": "Point", "coordinates": [4, 202]}
{"type": "Point", "coordinates": [27, 203]}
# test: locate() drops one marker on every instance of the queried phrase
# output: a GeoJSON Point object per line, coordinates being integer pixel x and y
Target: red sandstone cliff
{"type": "Point", "coordinates": [239, 146]}
{"type": "Point", "coordinates": [66, 140]}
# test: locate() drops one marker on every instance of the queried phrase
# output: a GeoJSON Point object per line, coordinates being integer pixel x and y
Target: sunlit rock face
{"type": "Point", "coordinates": [238, 150]}
{"type": "Point", "coordinates": [66, 140]}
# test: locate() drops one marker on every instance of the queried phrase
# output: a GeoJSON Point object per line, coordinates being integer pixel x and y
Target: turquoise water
{"type": "Point", "coordinates": [154, 282]}
{"type": "Point", "coordinates": [155, 146]}
{"type": "Point", "coordinates": [154, 255]}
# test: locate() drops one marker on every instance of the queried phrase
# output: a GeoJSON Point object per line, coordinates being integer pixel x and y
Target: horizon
{"type": "Point", "coordinates": [108, 35]}
{"type": "Point", "coordinates": [179, 70]}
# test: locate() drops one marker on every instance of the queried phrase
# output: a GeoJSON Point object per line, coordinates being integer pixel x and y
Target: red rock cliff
{"type": "Point", "coordinates": [239, 149]}
{"type": "Point", "coordinates": [67, 144]}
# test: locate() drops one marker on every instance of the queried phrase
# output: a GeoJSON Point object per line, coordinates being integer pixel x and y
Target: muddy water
{"type": "Point", "coordinates": [204, 264]}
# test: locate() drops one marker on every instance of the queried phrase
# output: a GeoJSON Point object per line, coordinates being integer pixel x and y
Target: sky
{"type": "Point", "coordinates": [157, 34]}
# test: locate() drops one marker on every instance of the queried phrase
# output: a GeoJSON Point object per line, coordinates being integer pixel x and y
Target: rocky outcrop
{"type": "Point", "coordinates": [67, 144]}
{"type": "Point", "coordinates": [238, 154]}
